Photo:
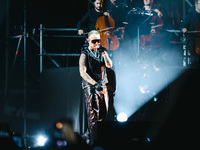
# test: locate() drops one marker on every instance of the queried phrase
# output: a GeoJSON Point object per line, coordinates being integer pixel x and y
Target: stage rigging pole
{"type": "Point", "coordinates": [183, 9]}
{"type": "Point", "coordinates": [25, 80]}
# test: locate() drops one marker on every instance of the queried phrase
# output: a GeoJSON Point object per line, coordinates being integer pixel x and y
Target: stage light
{"type": "Point", "coordinates": [148, 139]}
{"type": "Point", "coordinates": [122, 117]}
{"type": "Point", "coordinates": [61, 143]}
{"type": "Point", "coordinates": [59, 125]}
{"type": "Point", "coordinates": [155, 99]}
{"type": "Point", "coordinates": [41, 140]}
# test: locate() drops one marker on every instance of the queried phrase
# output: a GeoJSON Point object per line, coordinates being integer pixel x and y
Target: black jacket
{"type": "Point", "coordinates": [190, 20]}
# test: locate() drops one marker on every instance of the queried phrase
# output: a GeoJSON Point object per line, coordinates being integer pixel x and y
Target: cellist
{"type": "Point", "coordinates": [87, 23]}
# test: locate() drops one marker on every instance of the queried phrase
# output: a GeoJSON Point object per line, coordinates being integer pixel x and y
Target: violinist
{"type": "Point", "coordinates": [191, 22]}
{"type": "Point", "coordinates": [87, 23]}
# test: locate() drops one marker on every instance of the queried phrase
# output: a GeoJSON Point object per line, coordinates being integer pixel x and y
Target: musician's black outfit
{"type": "Point", "coordinates": [88, 22]}
{"type": "Point", "coordinates": [189, 22]}
{"type": "Point", "coordinates": [95, 98]}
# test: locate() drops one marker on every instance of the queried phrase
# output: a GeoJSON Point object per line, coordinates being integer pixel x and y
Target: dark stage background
{"type": "Point", "coordinates": [56, 92]}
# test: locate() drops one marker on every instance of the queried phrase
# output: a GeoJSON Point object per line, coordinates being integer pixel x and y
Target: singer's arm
{"type": "Point", "coordinates": [83, 69]}
{"type": "Point", "coordinates": [107, 60]}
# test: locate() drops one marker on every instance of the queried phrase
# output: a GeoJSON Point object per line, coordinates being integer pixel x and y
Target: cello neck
{"type": "Point", "coordinates": [107, 23]}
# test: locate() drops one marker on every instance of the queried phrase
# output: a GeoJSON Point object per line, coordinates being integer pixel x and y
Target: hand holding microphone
{"type": "Point", "coordinates": [101, 48]}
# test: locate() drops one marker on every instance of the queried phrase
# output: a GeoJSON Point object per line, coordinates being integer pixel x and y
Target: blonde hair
{"type": "Point", "coordinates": [93, 33]}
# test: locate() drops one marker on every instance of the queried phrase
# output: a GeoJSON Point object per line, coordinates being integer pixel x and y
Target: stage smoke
{"type": "Point", "coordinates": [140, 79]}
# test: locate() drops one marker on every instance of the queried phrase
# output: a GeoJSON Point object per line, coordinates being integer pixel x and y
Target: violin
{"type": "Point", "coordinates": [105, 26]}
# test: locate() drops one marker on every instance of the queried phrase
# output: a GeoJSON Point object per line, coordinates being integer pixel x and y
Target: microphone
{"type": "Point", "coordinates": [101, 48]}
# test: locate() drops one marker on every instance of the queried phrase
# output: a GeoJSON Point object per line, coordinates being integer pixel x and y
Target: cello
{"type": "Point", "coordinates": [152, 40]}
{"type": "Point", "coordinates": [105, 26]}
{"type": "Point", "coordinates": [145, 40]}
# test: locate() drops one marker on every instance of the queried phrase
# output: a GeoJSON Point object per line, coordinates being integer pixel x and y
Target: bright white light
{"type": "Point", "coordinates": [41, 140]}
{"type": "Point", "coordinates": [140, 81]}
{"type": "Point", "coordinates": [122, 117]}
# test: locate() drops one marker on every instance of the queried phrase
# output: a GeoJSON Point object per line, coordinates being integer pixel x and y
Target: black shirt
{"type": "Point", "coordinates": [88, 22]}
{"type": "Point", "coordinates": [94, 66]}
{"type": "Point", "coordinates": [190, 20]}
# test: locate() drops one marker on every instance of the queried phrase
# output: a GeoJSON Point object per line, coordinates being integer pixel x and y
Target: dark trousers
{"type": "Point", "coordinates": [95, 103]}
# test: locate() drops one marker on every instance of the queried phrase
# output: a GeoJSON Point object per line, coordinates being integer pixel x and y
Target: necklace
{"type": "Point", "coordinates": [93, 53]}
